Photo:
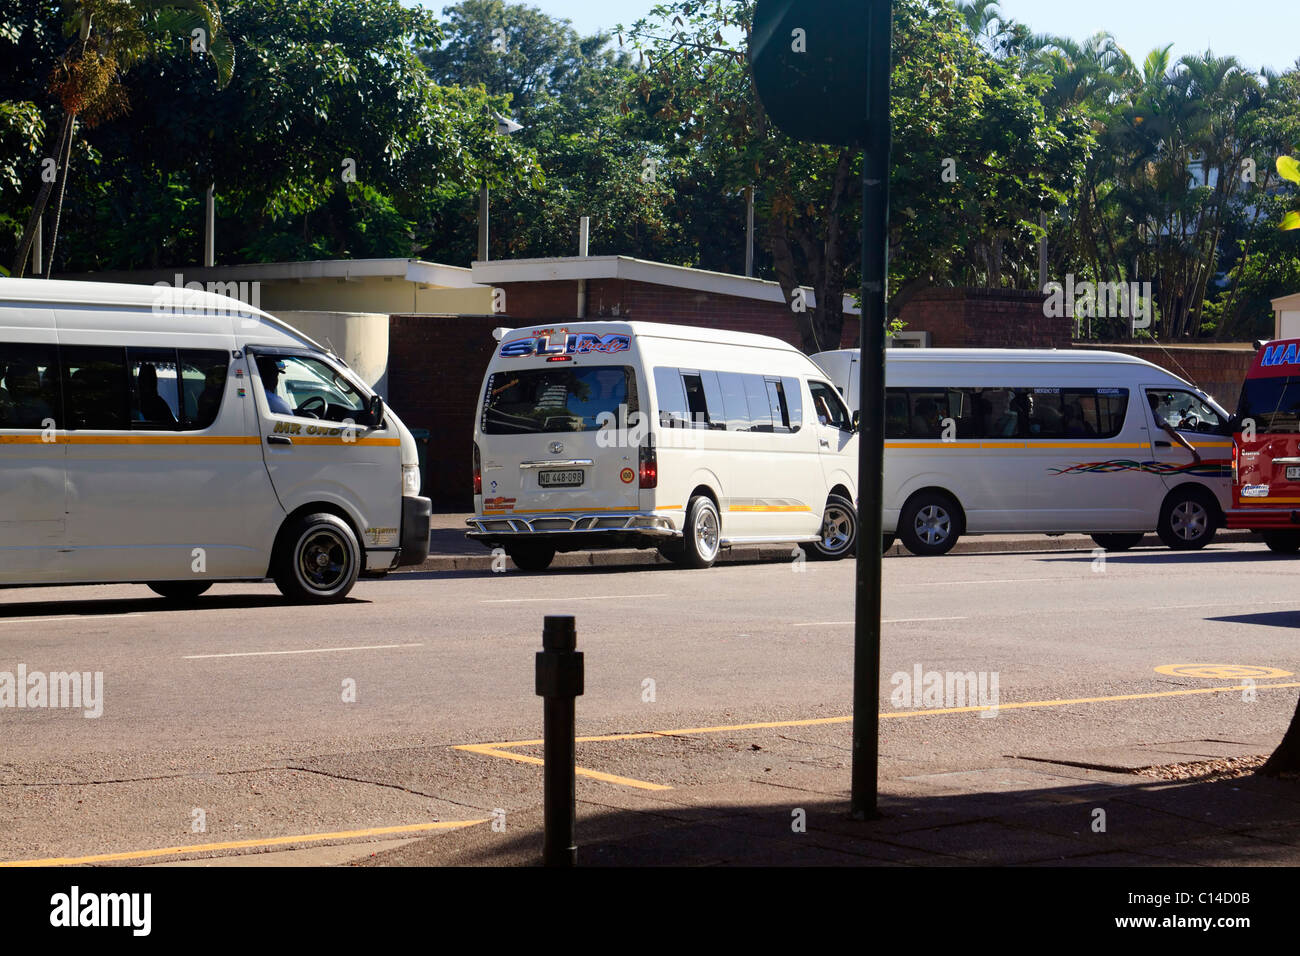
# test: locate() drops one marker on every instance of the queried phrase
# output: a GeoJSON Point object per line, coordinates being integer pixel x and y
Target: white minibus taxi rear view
{"type": "Point", "coordinates": [634, 434]}
{"type": "Point", "coordinates": [176, 438]}
{"type": "Point", "coordinates": [991, 441]}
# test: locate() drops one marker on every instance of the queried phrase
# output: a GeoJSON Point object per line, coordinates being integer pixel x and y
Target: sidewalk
{"type": "Point", "coordinates": [450, 550]}
{"type": "Point", "coordinates": [1027, 814]}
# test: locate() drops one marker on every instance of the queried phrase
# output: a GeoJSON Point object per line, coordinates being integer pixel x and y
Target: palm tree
{"type": "Point", "coordinates": [109, 37]}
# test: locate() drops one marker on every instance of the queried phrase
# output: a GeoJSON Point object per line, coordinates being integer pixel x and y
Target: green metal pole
{"type": "Point", "coordinates": [871, 440]}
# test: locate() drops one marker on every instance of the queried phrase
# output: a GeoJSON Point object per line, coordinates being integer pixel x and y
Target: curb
{"type": "Point", "coordinates": [992, 544]}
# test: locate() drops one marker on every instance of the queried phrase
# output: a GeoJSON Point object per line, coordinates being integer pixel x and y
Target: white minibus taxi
{"type": "Point", "coordinates": [992, 441]}
{"type": "Point", "coordinates": [176, 438]}
{"type": "Point", "coordinates": [634, 434]}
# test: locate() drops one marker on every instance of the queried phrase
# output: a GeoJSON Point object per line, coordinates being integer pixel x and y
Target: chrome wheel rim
{"type": "Point", "coordinates": [324, 562]}
{"type": "Point", "coordinates": [837, 530]}
{"type": "Point", "coordinates": [706, 532]}
{"type": "Point", "coordinates": [1189, 520]}
{"type": "Point", "coordinates": [933, 524]}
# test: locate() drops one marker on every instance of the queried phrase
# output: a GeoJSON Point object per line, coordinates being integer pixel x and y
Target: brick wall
{"type": "Point", "coordinates": [1219, 371]}
{"type": "Point", "coordinates": [985, 318]}
{"type": "Point", "coordinates": [435, 368]}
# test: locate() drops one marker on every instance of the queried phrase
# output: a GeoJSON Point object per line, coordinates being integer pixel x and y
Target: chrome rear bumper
{"type": "Point", "coordinates": [576, 523]}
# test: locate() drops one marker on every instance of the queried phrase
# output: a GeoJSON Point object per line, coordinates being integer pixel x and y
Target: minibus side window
{"type": "Point", "coordinates": [203, 383]}
{"type": "Point", "coordinates": [153, 389]}
{"type": "Point", "coordinates": [793, 395]}
{"type": "Point", "coordinates": [29, 386]}
{"type": "Point", "coordinates": [1000, 413]}
{"type": "Point", "coordinates": [696, 402]}
{"type": "Point", "coordinates": [673, 412]}
{"type": "Point", "coordinates": [1185, 412]}
{"type": "Point", "coordinates": [713, 400]}
{"type": "Point", "coordinates": [95, 387]}
{"type": "Point", "coordinates": [929, 408]}
{"type": "Point", "coordinates": [737, 404]}
{"type": "Point", "coordinates": [828, 407]}
{"type": "Point", "coordinates": [896, 413]}
{"type": "Point", "coordinates": [760, 407]}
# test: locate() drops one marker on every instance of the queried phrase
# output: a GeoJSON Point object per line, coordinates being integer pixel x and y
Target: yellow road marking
{"type": "Point", "coordinates": [1222, 671]}
{"type": "Point", "coordinates": [492, 751]}
{"type": "Point", "coordinates": [502, 748]}
{"type": "Point", "coordinates": [242, 844]}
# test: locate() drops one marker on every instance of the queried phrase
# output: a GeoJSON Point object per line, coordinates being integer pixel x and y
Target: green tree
{"type": "Point", "coordinates": [108, 38]}
{"type": "Point", "coordinates": [952, 101]}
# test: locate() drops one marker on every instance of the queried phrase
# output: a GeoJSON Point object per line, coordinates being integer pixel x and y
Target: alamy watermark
{"type": "Point", "coordinates": [36, 690]}
{"type": "Point", "coordinates": [1099, 300]}
{"type": "Point", "coordinates": [172, 297]}
{"type": "Point", "coordinates": [945, 690]}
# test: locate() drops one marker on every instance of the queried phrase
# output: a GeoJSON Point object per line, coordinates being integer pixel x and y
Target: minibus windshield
{"type": "Point", "coordinates": [1272, 403]}
{"type": "Point", "coordinates": [557, 399]}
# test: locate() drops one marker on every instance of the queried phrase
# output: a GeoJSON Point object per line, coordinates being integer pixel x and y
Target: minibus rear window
{"type": "Point", "coordinates": [1273, 404]}
{"type": "Point", "coordinates": [570, 399]}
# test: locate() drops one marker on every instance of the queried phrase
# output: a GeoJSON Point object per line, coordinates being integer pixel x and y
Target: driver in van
{"type": "Point", "coordinates": [269, 370]}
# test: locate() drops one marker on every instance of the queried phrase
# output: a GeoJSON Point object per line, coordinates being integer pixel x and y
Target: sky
{"type": "Point", "coordinates": [1258, 32]}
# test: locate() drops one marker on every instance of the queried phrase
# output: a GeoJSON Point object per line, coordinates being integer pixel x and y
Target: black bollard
{"type": "Point", "coordinates": [559, 684]}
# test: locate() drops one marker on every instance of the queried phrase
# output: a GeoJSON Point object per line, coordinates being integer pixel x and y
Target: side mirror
{"type": "Point", "coordinates": [857, 421]}
{"type": "Point", "coordinates": [373, 416]}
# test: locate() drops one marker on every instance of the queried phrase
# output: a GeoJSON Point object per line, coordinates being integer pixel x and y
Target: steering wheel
{"type": "Point", "coordinates": [1189, 421]}
{"type": "Point", "coordinates": [305, 409]}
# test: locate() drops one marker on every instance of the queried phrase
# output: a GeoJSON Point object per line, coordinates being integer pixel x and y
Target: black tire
{"type": "Point", "coordinates": [702, 537]}
{"type": "Point", "coordinates": [318, 561]}
{"type": "Point", "coordinates": [930, 524]}
{"type": "Point", "coordinates": [1188, 520]}
{"type": "Point", "coordinates": [839, 531]}
{"type": "Point", "coordinates": [1282, 542]}
{"type": "Point", "coordinates": [887, 542]}
{"type": "Point", "coordinates": [1118, 541]}
{"type": "Point", "coordinates": [181, 592]}
{"type": "Point", "coordinates": [531, 556]}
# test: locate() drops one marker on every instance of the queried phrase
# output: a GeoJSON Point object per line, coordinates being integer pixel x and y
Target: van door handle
{"type": "Point", "coordinates": [1164, 444]}
{"type": "Point", "coordinates": [278, 440]}
{"type": "Point", "coordinates": [824, 443]}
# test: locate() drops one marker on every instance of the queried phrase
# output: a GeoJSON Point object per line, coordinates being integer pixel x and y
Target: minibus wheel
{"type": "Point", "coordinates": [179, 591]}
{"type": "Point", "coordinates": [839, 531]}
{"type": "Point", "coordinates": [1117, 541]}
{"type": "Point", "coordinates": [319, 561]}
{"type": "Point", "coordinates": [1283, 542]}
{"type": "Point", "coordinates": [1187, 520]}
{"type": "Point", "coordinates": [531, 557]}
{"type": "Point", "coordinates": [930, 524]}
{"type": "Point", "coordinates": [702, 539]}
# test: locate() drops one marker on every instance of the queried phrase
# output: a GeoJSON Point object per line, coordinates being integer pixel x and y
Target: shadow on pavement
{"type": "Point", "coordinates": [108, 607]}
{"type": "Point", "coordinates": [1245, 821]}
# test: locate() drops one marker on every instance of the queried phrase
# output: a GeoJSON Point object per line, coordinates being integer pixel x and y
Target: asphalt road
{"type": "Point", "coordinates": [262, 721]}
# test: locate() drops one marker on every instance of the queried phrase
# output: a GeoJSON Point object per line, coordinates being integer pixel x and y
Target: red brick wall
{"type": "Point", "coordinates": [985, 318]}
{"type": "Point", "coordinates": [435, 369]}
{"type": "Point", "coordinates": [1219, 371]}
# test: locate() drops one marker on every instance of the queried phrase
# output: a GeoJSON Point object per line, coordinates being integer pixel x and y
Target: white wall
{"type": "Point", "coordinates": [1288, 324]}
{"type": "Point", "coordinates": [360, 338]}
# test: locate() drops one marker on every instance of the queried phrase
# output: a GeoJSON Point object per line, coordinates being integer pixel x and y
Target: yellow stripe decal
{"type": "Point", "coordinates": [62, 439]}
{"type": "Point", "coordinates": [769, 508]}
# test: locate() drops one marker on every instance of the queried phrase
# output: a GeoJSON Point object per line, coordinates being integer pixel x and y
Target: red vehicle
{"type": "Point", "coordinates": [1266, 448]}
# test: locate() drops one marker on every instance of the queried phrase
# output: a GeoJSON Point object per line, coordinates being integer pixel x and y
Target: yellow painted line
{"type": "Point", "coordinates": [502, 748]}
{"type": "Point", "coordinates": [242, 844]}
{"type": "Point", "coordinates": [491, 751]}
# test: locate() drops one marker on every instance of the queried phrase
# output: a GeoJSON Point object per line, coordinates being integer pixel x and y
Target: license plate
{"type": "Point", "coordinates": [559, 479]}
{"type": "Point", "coordinates": [1292, 472]}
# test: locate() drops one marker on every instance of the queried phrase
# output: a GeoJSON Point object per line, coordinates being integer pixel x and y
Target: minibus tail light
{"type": "Point", "coordinates": [478, 471]}
{"type": "Point", "coordinates": [649, 465]}
{"type": "Point", "coordinates": [1236, 451]}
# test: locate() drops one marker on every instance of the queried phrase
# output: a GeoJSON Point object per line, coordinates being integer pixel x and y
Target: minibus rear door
{"type": "Point", "coordinates": [561, 438]}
